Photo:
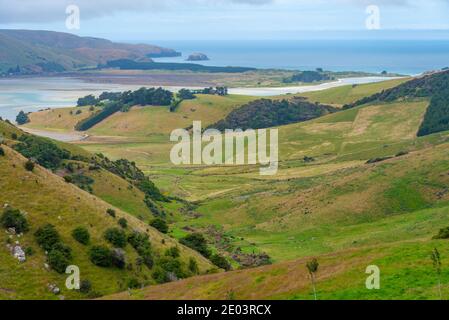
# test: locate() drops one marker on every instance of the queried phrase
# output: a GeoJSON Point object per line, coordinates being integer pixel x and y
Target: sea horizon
{"type": "Point", "coordinates": [407, 57]}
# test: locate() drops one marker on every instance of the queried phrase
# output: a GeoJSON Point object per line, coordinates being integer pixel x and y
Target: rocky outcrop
{"type": "Point", "coordinates": [198, 57]}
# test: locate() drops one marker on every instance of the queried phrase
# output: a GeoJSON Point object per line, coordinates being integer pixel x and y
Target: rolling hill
{"type": "Point", "coordinates": [354, 188]}
{"type": "Point", "coordinates": [48, 51]}
{"type": "Point", "coordinates": [43, 197]}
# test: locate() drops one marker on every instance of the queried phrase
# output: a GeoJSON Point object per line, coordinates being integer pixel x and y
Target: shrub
{"type": "Point", "coordinates": [196, 241]}
{"type": "Point", "coordinates": [116, 237]}
{"type": "Point", "coordinates": [47, 237]}
{"type": "Point", "coordinates": [100, 256]}
{"type": "Point", "coordinates": [133, 283]}
{"type": "Point", "coordinates": [160, 225]}
{"type": "Point", "coordinates": [81, 235]}
{"type": "Point", "coordinates": [118, 258]}
{"type": "Point", "coordinates": [193, 266]}
{"type": "Point", "coordinates": [29, 165]}
{"type": "Point", "coordinates": [172, 265]}
{"type": "Point", "coordinates": [150, 189]}
{"type": "Point", "coordinates": [58, 261]}
{"type": "Point", "coordinates": [160, 276]}
{"type": "Point", "coordinates": [68, 179]}
{"type": "Point", "coordinates": [154, 208]}
{"type": "Point", "coordinates": [85, 286]}
{"type": "Point", "coordinates": [43, 151]}
{"type": "Point", "coordinates": [141, 243]}
{"type": "Point", "coordinates": [442, 234]}
{"type": "Point", "coordinates": [173, 252]}
{"type": "Point", "coordinates": [13, 218]}
{"type": "Point", "coordinates": [29, 251]}
{"type": "Point", "coordinates": [111, 212]}
{"type": "Point", "coordinates": [123, 223]}
{"type": "Point", "coordinates": [14, 136]}
{"type": "Point", "coordinates": [220, 262]}
{"type": "Point", "coordinates": [63, 249]}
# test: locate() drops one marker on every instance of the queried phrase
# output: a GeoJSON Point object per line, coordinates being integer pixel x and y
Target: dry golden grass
{"type": "Point", "coordinates": [46, 198]}
{"type": "Point", "coordinates": [63, 119]}
{"type": "Point", "coordinates": [268, 282]}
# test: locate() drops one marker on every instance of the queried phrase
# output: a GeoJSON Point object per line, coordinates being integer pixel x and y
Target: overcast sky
{"type": "Point", "coordinates": [135, 20]}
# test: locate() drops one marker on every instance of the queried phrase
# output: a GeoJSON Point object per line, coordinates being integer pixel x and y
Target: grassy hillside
{"type": "Point", "coordinates": [354, 188]}
{"type": "Point", "coordinates": [351, 93]}
{"type": "Point", "coordinates": [44, 197]}
{"type": "Point", "coordinates": [61, 120]}
{"type": "Point", "coordinates": [406, 273]}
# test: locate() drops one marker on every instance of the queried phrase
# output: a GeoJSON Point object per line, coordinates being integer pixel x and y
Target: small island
{"type": "Point", "coordinates": [198, 57]}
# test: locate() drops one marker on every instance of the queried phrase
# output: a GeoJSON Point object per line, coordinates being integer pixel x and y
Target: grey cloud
{"type": "Point", "coordinates": [30, 11]}
{"type": "Point", "coordinates": [44, 11]}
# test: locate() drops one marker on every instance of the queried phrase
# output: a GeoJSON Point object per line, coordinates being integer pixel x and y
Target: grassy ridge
{"type": "Point", "coordinates": [46, 198]}
{"type": "Point", "coordinates": [406, 273]}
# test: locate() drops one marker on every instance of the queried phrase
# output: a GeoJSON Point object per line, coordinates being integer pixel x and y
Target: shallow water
{"type": "Point", "coordinates": [33, 94]}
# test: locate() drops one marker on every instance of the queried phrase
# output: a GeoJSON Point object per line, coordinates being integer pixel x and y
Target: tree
{"type": "Point", "coordinates": [89, 100]}
{"type": "Point", "coordinates": [312, 267]}
{"type": "Point", "coordinates": [186, 94]}
{"type": "Point", "coordinates": [435, 256]}
{"type": "Point", "coordinates": [22, 118]}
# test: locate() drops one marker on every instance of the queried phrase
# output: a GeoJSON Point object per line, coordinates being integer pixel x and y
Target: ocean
{"type": "Point", "coordinates": [408, 57]}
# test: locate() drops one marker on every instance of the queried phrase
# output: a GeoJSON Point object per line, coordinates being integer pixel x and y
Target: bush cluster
{"type": "Point", "coordinates": [116, 237]}
{"type": "Point", "coordinates": [13, 218]}
{"type": "Point", "coordinates": [141, 243]}
{"type": "Point", "coordinates": [81, 234]}
{"type": "Point", "coordinates": [196, 241]}
{"type": "Point", "coordinates": [159, 224]}
{"type": "Point", "coordinates": [59, 254]}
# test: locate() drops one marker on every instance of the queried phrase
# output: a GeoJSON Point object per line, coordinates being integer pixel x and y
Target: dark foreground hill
{"type": "Point", "coordinates": [51, 218]}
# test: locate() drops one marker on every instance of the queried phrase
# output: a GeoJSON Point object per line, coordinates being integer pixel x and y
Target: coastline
{"type": "Point", "coordinates": [36, 93]}
{"type": "Point", "coordinates": [275, 91]}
